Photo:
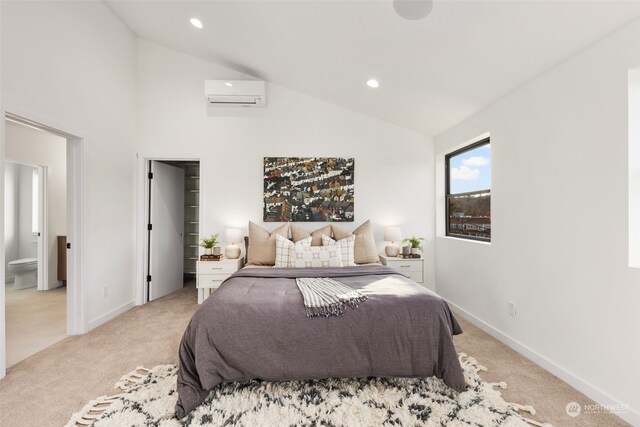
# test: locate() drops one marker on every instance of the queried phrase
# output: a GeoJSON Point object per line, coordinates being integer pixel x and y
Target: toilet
{"type": "Point", "coordinates": [25, 270]}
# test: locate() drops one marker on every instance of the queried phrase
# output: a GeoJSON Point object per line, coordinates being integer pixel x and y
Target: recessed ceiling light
{"type": "Point", "coordinates": [228, 84]}
{"type": "Point", "coordinates": [373, 83]}
{"type": "Point", "coordinates": [413, 10]}
{"type": "Point", "coordinates": [196, 23]}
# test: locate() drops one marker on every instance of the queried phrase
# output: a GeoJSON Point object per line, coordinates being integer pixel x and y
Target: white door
{"type": "Point", "coordinates": [166, 213]}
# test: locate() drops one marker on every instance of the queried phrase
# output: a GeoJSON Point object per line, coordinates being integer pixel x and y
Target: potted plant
{"type": "Point", "coordinates": [208, 243]}
{"type": "Point", "coordinates": [415, 243]}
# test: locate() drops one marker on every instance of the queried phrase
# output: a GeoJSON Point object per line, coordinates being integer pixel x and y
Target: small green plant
{"type": "Point", "coordinates": [414, 242]}
{"type": "Point", "coordinates": [209, 242]}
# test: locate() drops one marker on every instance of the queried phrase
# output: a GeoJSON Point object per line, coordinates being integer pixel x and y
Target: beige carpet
{"type": "Point", "coordinates": [61, 379]}
{"type": "Point", "coordinates": [34, 320]}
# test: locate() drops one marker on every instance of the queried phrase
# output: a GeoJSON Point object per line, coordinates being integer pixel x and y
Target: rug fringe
{"type": "Point", "coordinates": [526, 408]}
{"type": "Point", "coordinates": [132, 379]}
{"type": "Point", "coordinates": [501, 384]}
{"type": "Point", "coordinates": [97, 407]}
{"type": "Point", "coordinates": [536, 423]}
{"type": "Point", "coordinates": [468, 360]}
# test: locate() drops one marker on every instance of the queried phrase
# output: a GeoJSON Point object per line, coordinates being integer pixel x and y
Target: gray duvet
{"type": "Point", "coordinates": [255, 327]}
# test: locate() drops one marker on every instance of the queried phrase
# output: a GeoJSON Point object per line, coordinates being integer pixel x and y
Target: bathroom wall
{"type": "Point", "coordinates": [19, 239]}
{"type": "Point", "coordinates": [10, 215]}
{"type": "Point", "coordinates": [32, 146]}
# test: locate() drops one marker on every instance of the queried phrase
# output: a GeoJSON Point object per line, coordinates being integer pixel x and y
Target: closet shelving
{"type": "Point", "coordinates": [191, 218]}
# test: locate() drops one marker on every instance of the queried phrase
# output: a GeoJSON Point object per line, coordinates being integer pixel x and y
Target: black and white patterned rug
{"type": "Point", "coordinates": [148, 398]}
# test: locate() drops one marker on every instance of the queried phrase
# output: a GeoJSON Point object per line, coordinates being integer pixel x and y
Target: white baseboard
{"type": "Point", "coordinates": [631, 415]}
{"type": "Point", "coordinates": [110, 315]}
{"type": "Point", "coordinates": [54, 285]}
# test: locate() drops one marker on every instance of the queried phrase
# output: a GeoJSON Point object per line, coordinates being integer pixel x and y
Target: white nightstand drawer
{"type": "Point", "coordinates": [215, 267]}
{"type": "Point", "coordinates": [416, 276]}
{"type": "Point", "coordinates": [405, 266]}
{"type": "Point", "coordinates": [211, 280]}
{"type": "Point", "coordinates": [211, 274]}
{"type": "Point", "coordinates": [413, 268]}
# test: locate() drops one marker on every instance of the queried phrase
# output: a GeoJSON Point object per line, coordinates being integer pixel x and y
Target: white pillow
{"type": "Point", "coordinates": [315, 256]}
{"type": "Point", "coordinates": [346, 248]}
{"type": "Point", "coordinates": [284, 247]}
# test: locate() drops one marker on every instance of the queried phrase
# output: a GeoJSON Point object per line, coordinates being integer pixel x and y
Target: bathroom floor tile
{"type": "Point", "coordinates": [34, 321]}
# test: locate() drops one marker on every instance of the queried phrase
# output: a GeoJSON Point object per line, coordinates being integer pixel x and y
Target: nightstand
{"type": "Point", "coordinates": [410, 267]}
{"type": "Point", "coordinates": [211, 273]}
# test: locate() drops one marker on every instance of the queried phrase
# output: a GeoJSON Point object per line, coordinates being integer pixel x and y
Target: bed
{"type": "Point", "coordinates": [255, 327]}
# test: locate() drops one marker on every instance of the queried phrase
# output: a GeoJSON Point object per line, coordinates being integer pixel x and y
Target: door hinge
{"type": "Point", "coordinates": [150, 175]}
{"type": "Point", "coordinates": [148, 278]}
{"type": "Point", "coordinates": [149, 227]}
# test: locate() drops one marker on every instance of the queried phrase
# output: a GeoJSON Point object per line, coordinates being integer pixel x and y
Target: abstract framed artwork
{"type": "Point", "coordinates": [308, 189]}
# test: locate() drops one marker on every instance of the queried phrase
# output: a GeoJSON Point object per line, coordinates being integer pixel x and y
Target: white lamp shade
{"type": "Point", "coordinates": [233, 235]}
{"type": "Point", "coordinates": [392, 234]}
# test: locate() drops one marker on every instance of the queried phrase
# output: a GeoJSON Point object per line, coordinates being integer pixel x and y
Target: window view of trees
{"type": "Point", "coordinates": [469, 192]}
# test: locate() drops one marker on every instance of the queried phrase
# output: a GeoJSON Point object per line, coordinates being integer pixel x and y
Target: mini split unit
{"type": "Point", "coordinates": [236, 93]}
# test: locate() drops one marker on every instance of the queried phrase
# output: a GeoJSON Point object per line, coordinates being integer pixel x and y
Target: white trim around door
{"type": "Point", "coordinates": [142, 196]}
{"type": "Point", "coordinates": [43, 230]}
{"type": "Point", "coordinates": [3, 354]}
{"type": "Point", "coordinates": [76, 323]}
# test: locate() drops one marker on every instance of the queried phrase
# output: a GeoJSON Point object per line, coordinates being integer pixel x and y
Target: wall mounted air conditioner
{"type": "Point", "coordinates": [236, 93]}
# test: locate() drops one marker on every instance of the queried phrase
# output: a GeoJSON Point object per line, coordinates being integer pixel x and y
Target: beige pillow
{"type": "Point", "coordinates": [262, 244]}
{"type": "Point", "coordinates": [365, 249]}
{"type": "Point", "coordinates": [316, 236]}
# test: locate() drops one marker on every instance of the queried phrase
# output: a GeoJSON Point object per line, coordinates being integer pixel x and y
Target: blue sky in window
{"type": "Point", "coordinates": [471, 170]}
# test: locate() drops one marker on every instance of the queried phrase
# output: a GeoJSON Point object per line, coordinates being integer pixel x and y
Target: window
{"type": "Point", "coordinates": [468, 192]}
{"type": "Point", "coordinates": [35, 205]}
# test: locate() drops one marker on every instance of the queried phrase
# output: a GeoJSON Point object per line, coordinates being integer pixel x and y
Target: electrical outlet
{"type": "Point", "coordinates": [511, 308]}
{"type": "Point", "coordinates": [105, 291]}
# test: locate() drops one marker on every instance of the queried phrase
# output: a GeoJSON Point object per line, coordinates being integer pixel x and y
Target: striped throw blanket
{"type": "Point", "coordinates": [326, 297]}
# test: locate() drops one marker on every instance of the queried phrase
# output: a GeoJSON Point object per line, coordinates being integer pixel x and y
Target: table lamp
{"type": "Point", "coordinates": [393, 235]}
{"type": "Point", "coordinates": [233, 236]}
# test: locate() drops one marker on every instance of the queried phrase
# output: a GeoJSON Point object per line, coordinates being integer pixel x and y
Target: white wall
{"type": "Point", "coordinates": [34, 147]}
{"type": "Point", "coordinates": [559, 222]}
{"type": "Point", "coordinates": [393, 166]}
{"type": "Point", "coordinates": [634, 167]}
{"type": "Point", "coordinates": [73, 64]}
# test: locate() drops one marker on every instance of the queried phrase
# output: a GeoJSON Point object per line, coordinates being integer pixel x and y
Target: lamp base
{"type": "Point", "coordinates": [392, 250]}
{"type": "Point", "coordinates": [232, 251]}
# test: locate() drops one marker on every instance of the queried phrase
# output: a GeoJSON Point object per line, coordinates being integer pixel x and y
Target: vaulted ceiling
{"type": "Point", "coordinates": [433, 72]}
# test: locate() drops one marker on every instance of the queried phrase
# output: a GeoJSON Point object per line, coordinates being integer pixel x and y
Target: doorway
{"type": "Point", "coordinates": [173, 226]}
{"type": "Point", "coordinates": [42, 185]}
